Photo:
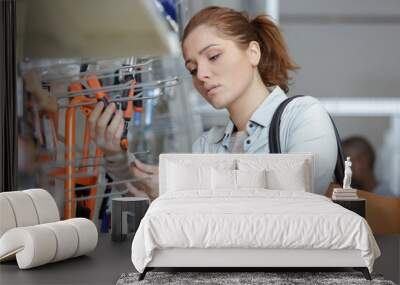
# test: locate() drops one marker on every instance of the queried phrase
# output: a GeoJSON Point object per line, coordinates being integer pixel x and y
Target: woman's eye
{"type": "Point", "coordinates": [214, 57]}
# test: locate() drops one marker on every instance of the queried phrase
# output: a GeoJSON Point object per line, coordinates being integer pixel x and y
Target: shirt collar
{"type": "Point", "coordinates": [220, 133]}
{"type": "Point", "coordinates": [261, 116]}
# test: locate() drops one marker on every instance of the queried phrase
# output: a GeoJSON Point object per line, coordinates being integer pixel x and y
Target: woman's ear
{"type": "Point", "coordinates": [254, 53]}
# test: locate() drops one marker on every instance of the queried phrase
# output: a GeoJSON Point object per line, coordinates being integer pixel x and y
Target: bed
{"type": "Point", "coordinates": [247, 211]}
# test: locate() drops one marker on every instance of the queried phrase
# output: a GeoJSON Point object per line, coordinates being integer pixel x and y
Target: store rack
{"type": "Point", "coordinates": [82, 95]}
{"type": "Point", "coordinates": [82, 58]}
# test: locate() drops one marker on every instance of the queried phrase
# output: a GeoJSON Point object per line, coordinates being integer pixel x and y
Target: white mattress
{"type": "Point", "coordinates": [252, 218]}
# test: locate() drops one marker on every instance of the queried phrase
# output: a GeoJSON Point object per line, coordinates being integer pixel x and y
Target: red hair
{"type": "Point", "coordinates": [275, 62]}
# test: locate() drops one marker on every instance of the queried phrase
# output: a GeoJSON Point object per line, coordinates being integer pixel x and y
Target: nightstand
{"type": "Point", "coordinates": [356, 205]}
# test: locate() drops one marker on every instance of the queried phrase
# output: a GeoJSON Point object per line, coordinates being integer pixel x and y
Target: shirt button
{"type": "Point", "coordinates": [251, 125]}
{"type": "Point", "coordinates": [248, 141]}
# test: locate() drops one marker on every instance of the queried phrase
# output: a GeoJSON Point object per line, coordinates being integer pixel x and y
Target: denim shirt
{"type": "Point", "coordinates": [305, 127]}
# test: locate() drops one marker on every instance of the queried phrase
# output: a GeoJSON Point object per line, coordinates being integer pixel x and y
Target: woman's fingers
{"type": "Point", "coordinates": [134, 191]}
{"type": "Point", "coordinates": [149, 168]}
{"type": "Point", "coordinates": [101, 127]}
{"type": "Point", "coordinates": [149, 183]}
{"type": "Point", "coordinates": [104, 133]}
{"type": "Point", "coordinates": [94, 117]}
{"type": "Point", "coordinates": [102, 122]}
{"type": "Point", "coordinates": [118, 134]}
{"type": "Point", "coordinates": [139, 173]}
{"type": "Point", "coordinates": [113, 127]}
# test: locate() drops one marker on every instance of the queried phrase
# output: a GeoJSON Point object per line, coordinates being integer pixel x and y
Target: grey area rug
{"type": "Point", "coordinates": [228, 278]}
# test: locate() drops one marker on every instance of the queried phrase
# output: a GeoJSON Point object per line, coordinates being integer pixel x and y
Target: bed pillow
{"type": "Point", "coordinates": [226, 179]}
{"type": "Point", "coordinates": [223, 179]}
{"type": "Point", "coordinates": [183, 177]}
{"type": "Point", "coordinates": [281, 174]}
{"type": "Point", "coordinates": [251, 178]}
{"type": "Point", "coordinates": [293, 178]}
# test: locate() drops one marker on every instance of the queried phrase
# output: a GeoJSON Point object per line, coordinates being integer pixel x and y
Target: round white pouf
{"type": "Point", "coordinates": [23, 208]}
{"type": "Point", "coordinates": [7, 218]}
{"type": "Point", "coordinates": [45, 205]}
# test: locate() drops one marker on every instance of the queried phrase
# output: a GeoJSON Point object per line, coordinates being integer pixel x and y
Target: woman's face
{"type": "Point", "coordinates": [221, 71]}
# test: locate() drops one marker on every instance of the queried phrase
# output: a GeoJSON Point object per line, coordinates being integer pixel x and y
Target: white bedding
{"type": "Point", "coordinates": [251, 218]}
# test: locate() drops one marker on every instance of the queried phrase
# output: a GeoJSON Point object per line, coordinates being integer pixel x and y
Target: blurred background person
{"type": "Point", "coordinates": [363, 158]}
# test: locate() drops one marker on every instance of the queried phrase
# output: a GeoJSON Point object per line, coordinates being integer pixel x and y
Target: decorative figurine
{"type": "Point", "coordinates": [347, 174]}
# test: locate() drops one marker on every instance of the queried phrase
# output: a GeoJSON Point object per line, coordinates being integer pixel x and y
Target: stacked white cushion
{"type": "Point", "coordinates": [41, 244]}
{"type": "Point", "coordinates": [31, 232]}
{"type": "Point", "coordinates": [26, 208]}
{"type": "Point", "coordinates": [87, 235]}
{"type": "Point", "coordinates": [32, 246]}
{"type": "Point", "coordinates": [45, 205]}
{"type": "Point", "coordinates": [7, 218]}
{"type": "Point", "coordinates": [66, 238]}
{"type": "Point", "coordinates": [23, 208]}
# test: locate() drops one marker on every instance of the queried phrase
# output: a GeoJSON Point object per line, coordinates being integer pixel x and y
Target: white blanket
{"type": "Point", "coordinates": [252, 218]}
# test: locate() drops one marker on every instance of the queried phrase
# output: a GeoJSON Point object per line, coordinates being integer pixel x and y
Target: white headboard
{"type": "Point", "coordinates": [214, 159]}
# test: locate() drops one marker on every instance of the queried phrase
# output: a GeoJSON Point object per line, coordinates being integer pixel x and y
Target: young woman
{"type": "Point", "coordinates": [240, 64]}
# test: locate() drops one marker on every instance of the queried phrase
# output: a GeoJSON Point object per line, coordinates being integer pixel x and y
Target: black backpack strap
{"type": "Point", "coordinates": [274, 138]}
{"type": "Point", "coordinates": [339, 168]}
{"type": "Point", "coordinates": [274, 127]}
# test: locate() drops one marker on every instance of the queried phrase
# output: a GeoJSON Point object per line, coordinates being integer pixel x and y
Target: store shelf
{"type": "Point", "coordinates": [93, 28]}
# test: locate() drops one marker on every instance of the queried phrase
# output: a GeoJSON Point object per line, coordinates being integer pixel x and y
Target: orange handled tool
{"type": "Point", "coordinates": [127, 108]}
{"type": "Point", "coordinates": [93, 82]}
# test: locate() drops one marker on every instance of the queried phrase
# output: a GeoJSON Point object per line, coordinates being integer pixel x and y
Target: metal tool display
{"type": "Point", "coordinates": [81, 169]}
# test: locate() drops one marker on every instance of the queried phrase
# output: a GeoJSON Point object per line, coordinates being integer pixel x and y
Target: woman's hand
{"type": "Point", "coordinates": [149, 184]}
{"type": "Point", "coordinates": [106, 134]}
